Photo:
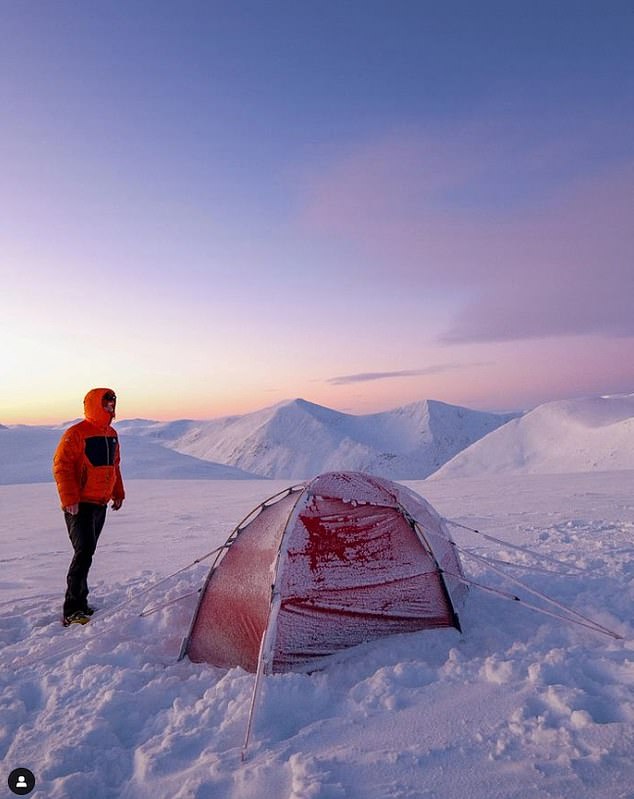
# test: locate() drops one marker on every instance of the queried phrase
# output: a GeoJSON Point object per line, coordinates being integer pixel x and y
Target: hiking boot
{"type": "Point", "coordinates": [79, 617]}
{"type": "Point", "coordinates": [88, 610]}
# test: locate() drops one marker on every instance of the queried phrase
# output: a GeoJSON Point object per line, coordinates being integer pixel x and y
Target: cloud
{"type": "Point", "coordinates": [525, 232]}
{"type": "Point", "coordinates": [364, 377]}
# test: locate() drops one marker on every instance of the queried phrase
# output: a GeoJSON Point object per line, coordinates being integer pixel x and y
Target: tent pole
{"type": "Point", "coordinates": [266, 644]}
{"type": "Point", "coordinates": [254, 697]}
{"type": "Point", "coordinates": [420, 534]}
{"type": "Point", "coordinates": [221, 550]}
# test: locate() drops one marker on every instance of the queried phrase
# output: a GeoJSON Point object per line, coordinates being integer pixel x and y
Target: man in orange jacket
{"type": "Point", "coordinates": [87, 473]}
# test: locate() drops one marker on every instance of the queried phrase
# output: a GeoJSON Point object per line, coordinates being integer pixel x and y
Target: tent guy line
{"type": "Point", "coordinates": [581, 619]}
{"type": "Point", "coordinates": [528, 567]}
{"type": "Point", "coordinates": [490, 563]}
{"type": "Point", "coordinates": [108, 612]}
{"type": "Point", "coordinates": [145, 613]}
{"type": "Point", "coordinates": [508, 544]}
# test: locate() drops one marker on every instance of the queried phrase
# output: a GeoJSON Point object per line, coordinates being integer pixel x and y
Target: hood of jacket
{"type": "Point", "coordinates": [93, 407]}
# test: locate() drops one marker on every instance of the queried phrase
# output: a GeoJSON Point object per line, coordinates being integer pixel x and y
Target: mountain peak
{"type": "Point", "coordinates": [299, 439]}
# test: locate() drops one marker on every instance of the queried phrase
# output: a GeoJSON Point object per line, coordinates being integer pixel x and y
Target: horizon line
{"type": "Point", "coordinates": [285, 402]}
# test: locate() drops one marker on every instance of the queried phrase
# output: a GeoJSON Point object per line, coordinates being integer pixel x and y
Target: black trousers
{"type": "Point", "coordinates": [83, 529]}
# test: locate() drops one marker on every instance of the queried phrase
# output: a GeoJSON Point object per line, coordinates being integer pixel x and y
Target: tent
{"type": "Point", "coordinates": [340, 560]}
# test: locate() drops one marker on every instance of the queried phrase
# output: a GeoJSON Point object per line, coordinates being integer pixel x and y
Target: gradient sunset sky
{"type": "Point", "coordinates": [215, 206]}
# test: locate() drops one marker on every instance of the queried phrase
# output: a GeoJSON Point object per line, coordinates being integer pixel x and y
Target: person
{"type": "Point", "coordinates": [86, 467]}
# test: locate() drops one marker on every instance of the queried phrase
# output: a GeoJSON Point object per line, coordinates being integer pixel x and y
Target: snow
{"type": "Point", "coordinates": [517, 706]}
{"type": "Point", "coordinates": [409, 442]}
{"type": "Point", "coordinates": [26, 455]}
{"type": "Point", "coordinates": [558, 437]}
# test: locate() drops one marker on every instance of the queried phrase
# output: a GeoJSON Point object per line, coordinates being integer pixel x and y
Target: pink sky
{"type": "Point", "coordinates": [232, 212]}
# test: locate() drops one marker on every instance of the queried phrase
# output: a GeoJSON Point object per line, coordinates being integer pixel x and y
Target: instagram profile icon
{"type": "Point", "coordinates": [21, 781]}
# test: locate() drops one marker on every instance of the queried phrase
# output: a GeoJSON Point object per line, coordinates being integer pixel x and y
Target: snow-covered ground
{"type": "Point", "coordinates": [517, 706]}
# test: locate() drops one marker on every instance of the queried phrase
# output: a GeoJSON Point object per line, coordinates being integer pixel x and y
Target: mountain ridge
{"type": "Point", "coordinates": [271, 442]}
{"type": "Point", "coordinates": [297, 439]}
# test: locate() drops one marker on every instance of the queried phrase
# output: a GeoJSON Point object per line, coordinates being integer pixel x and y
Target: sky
{"type": "Point", "coordinates": [213, 207]}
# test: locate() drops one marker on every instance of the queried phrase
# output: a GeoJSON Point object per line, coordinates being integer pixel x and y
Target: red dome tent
{"type": "Point", "coordinates": [343, 559]}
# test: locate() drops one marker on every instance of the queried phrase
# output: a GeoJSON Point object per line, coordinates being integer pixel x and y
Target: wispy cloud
{"type": "Point", "coordinates": [526, 231]}
{"type": "Point", "coordinates": [365, 377]}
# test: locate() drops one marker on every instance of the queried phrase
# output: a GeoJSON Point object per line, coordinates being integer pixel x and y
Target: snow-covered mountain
{"type": "Point", "coordinates": [298, 439]}
{"type": "Point", "coordinates": [580, 435]}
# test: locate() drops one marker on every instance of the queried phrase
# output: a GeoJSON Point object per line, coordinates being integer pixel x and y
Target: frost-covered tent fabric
{"type": "Point", "coordinates": [343, 559]}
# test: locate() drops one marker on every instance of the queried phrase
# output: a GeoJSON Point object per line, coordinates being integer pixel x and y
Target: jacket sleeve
{"type": "Point", "coordinates": [66, 466]}
{"type": "Point", "coordinates": [118, 491]}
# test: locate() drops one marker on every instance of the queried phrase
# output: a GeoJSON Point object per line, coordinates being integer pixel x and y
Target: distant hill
{"type": "Point", "coordinates": [26, 455]}
{"type": "Point", "coordinates": [568, 436]}
{"type": "Point", "coordinates": [298, 439]}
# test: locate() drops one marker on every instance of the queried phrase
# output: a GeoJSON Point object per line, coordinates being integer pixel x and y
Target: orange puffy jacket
{"type": "Point", "coordinates": [86, 461]}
